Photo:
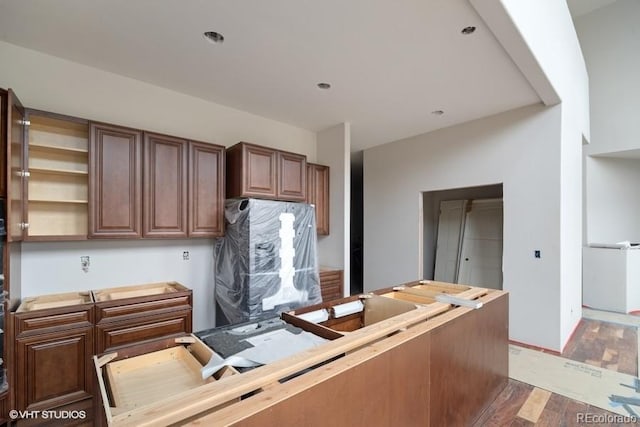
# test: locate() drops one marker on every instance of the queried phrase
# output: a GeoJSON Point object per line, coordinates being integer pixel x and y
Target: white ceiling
{"type": "Point", "coordinates": [390, 62]}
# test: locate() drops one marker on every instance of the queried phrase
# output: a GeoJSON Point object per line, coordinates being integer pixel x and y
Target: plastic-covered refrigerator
{"type": "Point", "coordinates": [267, 261]}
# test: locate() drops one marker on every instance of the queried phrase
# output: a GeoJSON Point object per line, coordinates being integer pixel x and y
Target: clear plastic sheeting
{"type": "Point", "coordinates": [267, 262]}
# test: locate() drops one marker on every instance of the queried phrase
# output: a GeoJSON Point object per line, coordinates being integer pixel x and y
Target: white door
{"type": "Point", "coordinates": [448, 242]}
{"type": "Point", "coordinates": [481, 255]}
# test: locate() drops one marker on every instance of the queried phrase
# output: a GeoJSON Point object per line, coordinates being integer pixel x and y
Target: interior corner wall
{"type": "Point", "coordinates": [49, 83]}
{"type": "Point", "coordinates": [334, 150]}
{"type": "Point", "coordinates": [521, 149]}
{"type": "Point", "coordinates": [610, 43]}
{"type": "Point", "coordinates": [548, 29]}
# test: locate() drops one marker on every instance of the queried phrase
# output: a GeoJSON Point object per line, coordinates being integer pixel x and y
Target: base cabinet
{"type": "Point", "coordinates": [54, 369]}
{"type": "Point", "coordinates": [57, 335]}
{"type": "Point", "coordinates": [137, 314]}
{"type": "Point", "coordinates": [331, 284]}
{"type": "Point", "coordinates": [54, 344]}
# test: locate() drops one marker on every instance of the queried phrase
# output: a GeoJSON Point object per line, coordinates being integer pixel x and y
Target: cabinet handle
{"type": "Point", "coordinates": [23, 225]}
{"type": "Point", "coordinates": [23, 174]}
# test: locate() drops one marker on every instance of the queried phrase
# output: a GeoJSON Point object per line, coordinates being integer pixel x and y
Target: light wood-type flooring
{"type": "Point", "coordinates": [606, 345]}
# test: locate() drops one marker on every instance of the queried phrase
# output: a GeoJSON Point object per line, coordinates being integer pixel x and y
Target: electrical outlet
{"type": "Point", "coordinates": [185, 255]}
{"type": "Point", "coordinates": [85, 262]}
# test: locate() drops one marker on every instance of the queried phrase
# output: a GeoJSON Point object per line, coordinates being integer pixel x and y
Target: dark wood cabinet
{"type": "Point", "coordinates": [318, 195]}
{"type": "Point", "coordinates": [292, 177]}
{"type": "Point", "coordinates": [251, 171]}
{"type": "Point", "coordinates": [54, 369]}
{"type": "Point", "coordinates": [165, 186]}
{"type": "Point", "coordinates": [262, 172]}
{"type": "Point", "coordinates": [154, 186]}
{"type": "Point", "coordinates": [331, 284]}
{"type": "Point", "coordinates": [115, 175]}
{"type": "Point", "coordinates": [206, 190]}
{"type": "Point", "coordinates": [143, 313]}
{"type": "Point", "coordinates": [54, 345]}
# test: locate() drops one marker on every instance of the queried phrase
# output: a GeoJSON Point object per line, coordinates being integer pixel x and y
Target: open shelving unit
{"type": "Point", "coordinates": [58, 177]}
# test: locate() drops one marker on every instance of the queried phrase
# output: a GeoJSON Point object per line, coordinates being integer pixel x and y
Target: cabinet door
{"type": "Point", "coordinates": [3, 142]}
{"type": "Point", "coordinates": [115, 165]}
{"type": "Point", "coordinates": [54, 369]}
{"type": "Point", "coordinates": [259, 171]}
{"type": "Point", "coordinates": [292, 177]}
{"type": "Point", "coordinates": [165, 186]}
{"type": "Point", "coordinates": [318, 195]}
{"type": "Point", "coordinates": [16, 168]}
{"type": "Point", "coordinates": [206, 190]}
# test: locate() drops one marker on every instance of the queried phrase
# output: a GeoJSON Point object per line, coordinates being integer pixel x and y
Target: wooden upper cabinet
{"type": "Point", "coordinates": [251, 171]}
{"type": "Point", "coordinates": [115, 165]}
{"type": "Point", "coordinates": [262, 172]}
{"type": "Point", "coordinates": [292, 177]}
{"type": "Point", "coordinates": [318, 195]}
{"type": "Point", "coordinates": [206, 190]}
{"type": "Point", "coordinates": [16, 168]}
{"type": "Point", "coordinates": [165, 186]}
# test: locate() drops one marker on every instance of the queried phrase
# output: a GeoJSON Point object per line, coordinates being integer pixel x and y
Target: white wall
{"type": "Point", "coordinates": [610, 43]}
{"type": "Point", "coordinates": [548, 29]}
{"type": "Point", "coordinates": [521, 149]}
{"type": "Point", "coordinates": [334, 150]}
{"type": "Point", "coordinates": [53, 84]}
{"type": "Point", "coordinates": [49, 267]}
{"type": "Point", "coordinates": [49, 83]}
{"type": "Point", "coordinates": [613, 200]}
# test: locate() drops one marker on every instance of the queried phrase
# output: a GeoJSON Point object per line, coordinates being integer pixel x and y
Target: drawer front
{"type": "Point", "coordinates": [28, 324]}
{"type": "Point", "coordinates": [114, 335]}
{"type": "Point", "coordinates": [111, 312]}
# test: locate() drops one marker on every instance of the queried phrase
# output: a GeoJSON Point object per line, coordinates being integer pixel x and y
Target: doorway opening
{"type": "Point", "coordinates": [463, 235]}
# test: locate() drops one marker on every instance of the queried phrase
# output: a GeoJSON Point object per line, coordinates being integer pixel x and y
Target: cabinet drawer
{"type": "Point", "coordinates": [36, 323]}
{"type": "Point", "coordinates": [107, 313]}
{"type": "Point", "coordinates": [113, 335]}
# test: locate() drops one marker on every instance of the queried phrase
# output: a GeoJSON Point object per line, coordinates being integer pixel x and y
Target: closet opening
{"type": "Point", "coordinates": [463, 235]}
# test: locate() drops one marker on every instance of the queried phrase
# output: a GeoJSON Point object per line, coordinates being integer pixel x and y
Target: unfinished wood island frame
{"type": "Point", "coordinates": [433, 364]}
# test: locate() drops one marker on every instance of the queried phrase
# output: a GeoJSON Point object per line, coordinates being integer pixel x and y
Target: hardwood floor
{"type": "Point", "coordinates": [602, 344]}
{"type": "Point", "coordinates": [606, 345]}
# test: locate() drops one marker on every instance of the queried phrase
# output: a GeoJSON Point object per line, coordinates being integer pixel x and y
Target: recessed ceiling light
{"type": "Point", "coordinates": [324, 86]}
{"type": "Point", "coordinates": [213, 37]}
{"type": "Point", "coordinates": [468, 30]}
{"type": "Point", "coordinates": [437, 112]}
